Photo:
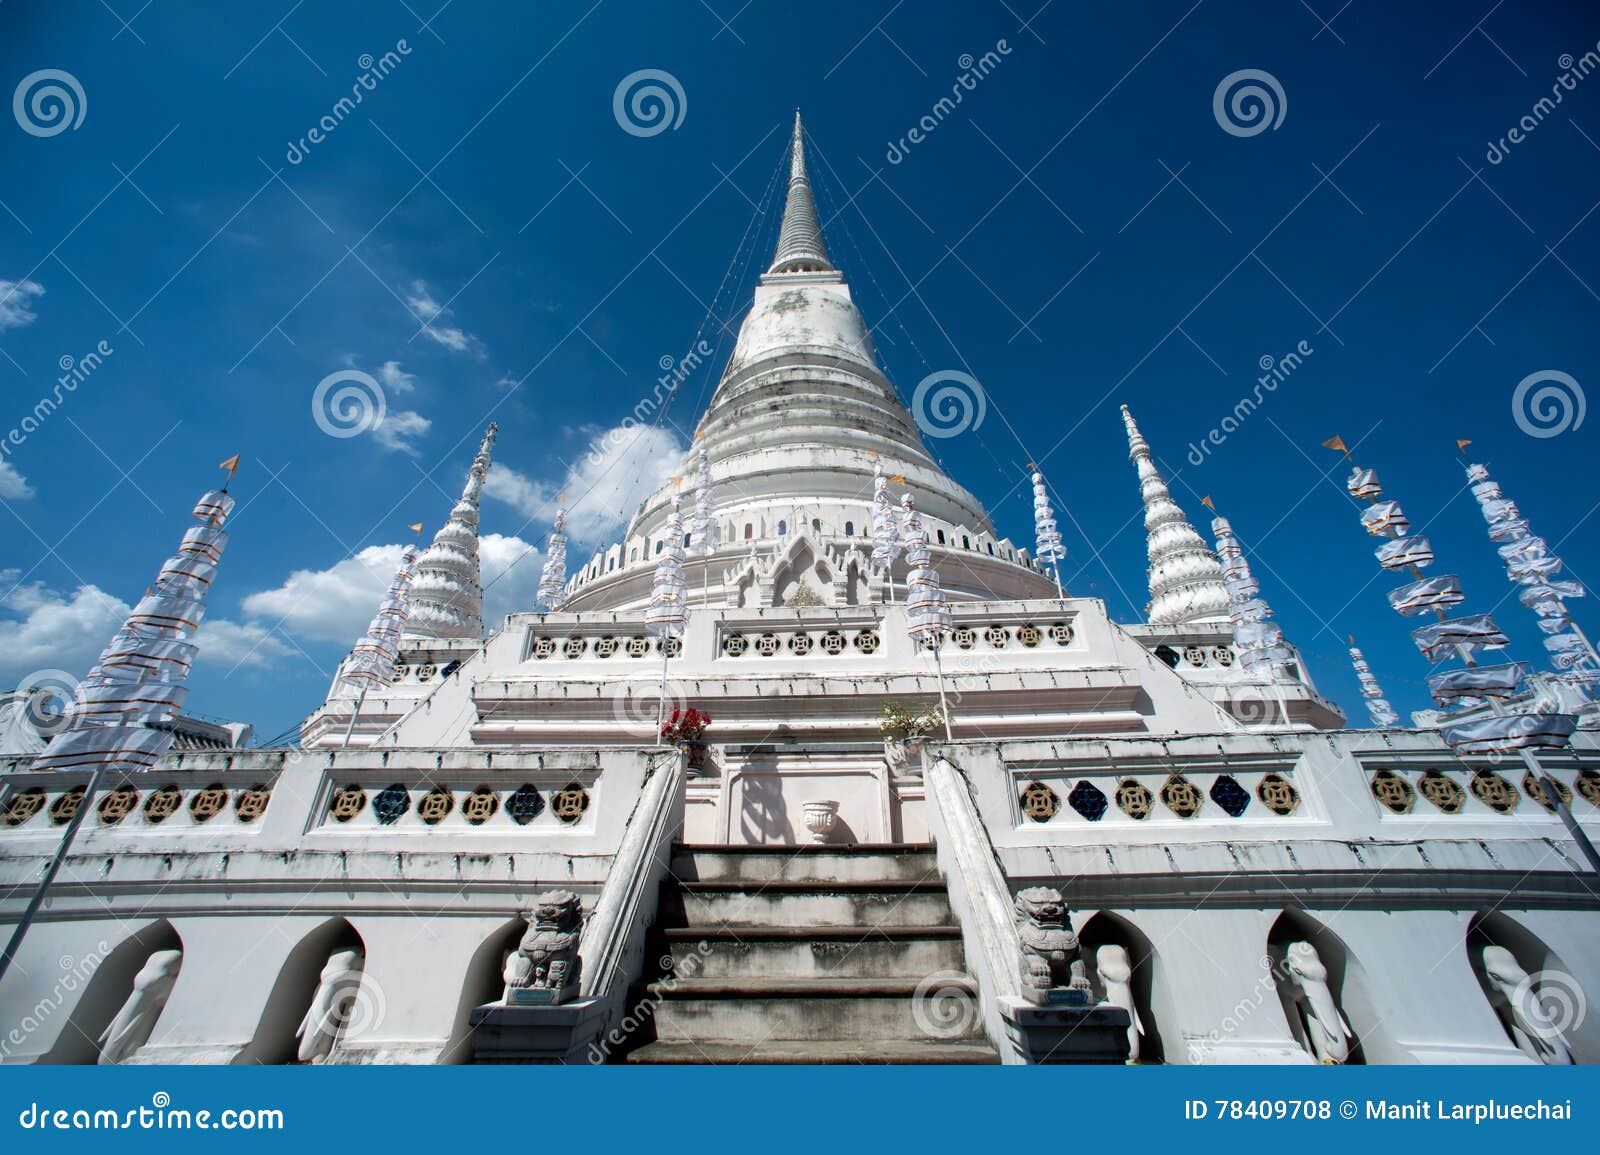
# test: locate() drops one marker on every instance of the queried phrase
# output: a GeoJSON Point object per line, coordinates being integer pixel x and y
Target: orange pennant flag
{"type": "Point", "coordinates": [415, 528]}
{"type": "Point", "coordinates": [1208, 503]}
{"type": "Point", "coordinates": [1336, 443]}
{"type": "Point", "coordinates": [1352, 638]}
{"type": "Point", "coordinates": [231, 465]}
{"type": "Point", "coordinates": [1461, 446]}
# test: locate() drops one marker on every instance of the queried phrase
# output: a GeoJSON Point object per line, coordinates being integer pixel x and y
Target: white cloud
{"type": "Point", "coordinates": [430, 312]}
{"type": "Point", "coordinates": [234, 644]}
{"type": "Point", "coordinates": [391, 376]}
{"type": "Point", "coordinates": [399, 428]}
{"type": "Point", "coordinates": [15, 298]}
{"type": "Point", "coordinates": [333, 604]}
{"type": "Point", "coordinates": [621, 467]}
{"type": "Point", "coordinates": [510, 568]}
{"type": "Point", "coordinates": [13, 486]}
{"type": "Point", "coordinates": [48, 629]}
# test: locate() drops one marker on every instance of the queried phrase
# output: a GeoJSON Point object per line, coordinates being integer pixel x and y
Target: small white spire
{"type": "Point", "coordinates": [1185, 576]}
{"type": "Point", "coordinates": [800, 246]}
{"type": "Point", "coordinates": [446, 597]}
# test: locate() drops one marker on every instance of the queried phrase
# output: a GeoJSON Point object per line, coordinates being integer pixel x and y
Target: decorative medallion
{"type": "Point", "coordinates": [867, 642]}
{"type": "Point", "coordinates": [348, 801]}
{"type": "Point", "coordinates": [435, 805]}
{"type": "Point", "coordinates": [997, 637]}
{"type": "Point", "coordinates": [1134, 798]}
{"type": "Point", "coordinates": [1278, 794]}
{"type": "Point", "coordinates": [392, 801]}
{"type": "Point", "coordinates": [734, 645]}
{"type": "Point", "coordinates": [208, 803]}
{"type": "Point", "coordinates": [800, 644]}
{"type": "Point", "coordinates": [833, 642]}
{"type": "Point", "coordinates": [569, 803]}
{"type": "Point", "coordinates": [66, 805]}
{"type": "Point", "coordinates": [1039, 802]}
{"type": "Point", "coordinates": [965, 637]}
{"type": "Point", "coordinates": [1393, 791]}
{"type": "Point", "coordinates": [251, 804]}
{"type": "Point", "coordinates": [638, 646]}
{"type": "Point", "coordinates": [1088, 800]}
{"type": "Point", "coordinates": [1029, 636]}
{"type": "Point", "coordinates": [767, 645]}
{"type": "Point", "coordinates": [1061, 634]}
{"type": "Point", "coordinates": [1443, 791]}
{"type": "Point", "coordinates": [162, 804]}
{"type": "Point", "coordinates": [1181, 796]}
{"type": "Point", "coordinates": [1535, 789]}
{"type": "Point", "coordinates": [524, 805]}
{"type": "Point", "coordinates": [479, 806]}
{"type": "Point", "coordinates": [1228, 794]}
{"type": "Point", "coordinates": [1589, 786]}
{"type": "Point", "coordinates": [118, 804]}
{"type": "Point", "coordinates": [543, 647]}
{"type": "Point", "coordinates": [574, 647]}
{"type": "Point", "coordinates": [23, 805]}
{"type": "Point", "coordinates": [1494, 791]}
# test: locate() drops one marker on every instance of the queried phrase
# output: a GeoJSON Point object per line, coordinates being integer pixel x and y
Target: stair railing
{"type": "Point", "coordinates": [979, 894]}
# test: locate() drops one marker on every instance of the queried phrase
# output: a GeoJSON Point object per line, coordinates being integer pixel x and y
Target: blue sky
{"type": "Point", "coordinates": [482, 236]}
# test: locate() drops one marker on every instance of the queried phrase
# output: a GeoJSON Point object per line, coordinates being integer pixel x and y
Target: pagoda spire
{"type": "Point", "coordinates": [800, 248]}
{"type": "Point", "coordinates": [1185, 577]}
{"type": "Point", "coordinates": [446, 597]}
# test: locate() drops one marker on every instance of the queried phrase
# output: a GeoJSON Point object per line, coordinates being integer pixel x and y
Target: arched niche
{"type": "Point", "coordinates": [275, 1040]}
{"type": "Point", "coordinates": [1554, 985]}
{"type": "Point", "coordinates": [108, 990]}
{"type": "Point", "coordinates": [1346, 982]}
{"type": "Point", "coordinates": [484, 982]}
{"type": "Point", "coordinates": [1107, 929]}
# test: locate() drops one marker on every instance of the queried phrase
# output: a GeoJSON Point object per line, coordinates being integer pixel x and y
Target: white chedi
{"type": "Point", "coordinates": [1185, 576]}
{"type": "Point", "coordinates": [553, 578]}
{"type": "Point", "coordinates": [927, 615]}
{"type": "Point", "coordinates": [668, 596]}
{"type": "Point", "coordinates": [447, 597]}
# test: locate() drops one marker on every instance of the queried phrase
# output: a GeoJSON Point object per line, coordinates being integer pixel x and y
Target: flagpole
{"type": "Point", "coordinates": [91, 788]}
{"type": "Point", "coordinates": [62, 850]}
{"type": "Point", "coordinates": [943, 708]}
{"type": "Point", "coordinates": [1496, 707]}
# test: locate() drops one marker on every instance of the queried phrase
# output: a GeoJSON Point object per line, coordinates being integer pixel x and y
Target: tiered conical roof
{"type": "Point", "coordinates": [800, 245]}
{"type": "Point", "coordinates": [1185, 576]}
{"type": "Point", "coordinates": [446, 597]}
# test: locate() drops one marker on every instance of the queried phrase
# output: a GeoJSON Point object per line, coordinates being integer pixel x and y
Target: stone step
{"type": "Point", "coordinates": [739, 904]}
{"type": "Point", "coordinates": [837, 1009]}
{"type": "Point", "coordinates": [815, 1052]}
{"type": "Point", "coordinates": [864, 863]}
{"type": "Point", "coordinates": [814, 952]}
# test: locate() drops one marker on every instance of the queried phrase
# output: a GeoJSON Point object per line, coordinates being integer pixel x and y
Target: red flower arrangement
{"type": "Point", "coordinates": [685, 726]}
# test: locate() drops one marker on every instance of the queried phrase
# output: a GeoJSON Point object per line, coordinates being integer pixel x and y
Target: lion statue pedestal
{"type": "Point", "coordinates": [544, 969]}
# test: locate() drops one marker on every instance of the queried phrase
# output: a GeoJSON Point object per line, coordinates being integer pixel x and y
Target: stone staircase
{"type": "Point", "coordinates": [808, 954]}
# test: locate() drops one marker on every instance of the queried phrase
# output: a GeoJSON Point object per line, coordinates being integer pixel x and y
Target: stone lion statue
{"type": "Point", "coordinates": [1051, 956]}
{"type": "Point", "coordinates": [547, 957]}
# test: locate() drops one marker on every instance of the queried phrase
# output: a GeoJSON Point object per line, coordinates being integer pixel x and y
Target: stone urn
{"type": "Point", "coordinates": [821, 818]}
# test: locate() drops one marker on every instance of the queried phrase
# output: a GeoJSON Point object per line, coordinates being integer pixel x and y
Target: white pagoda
{"type": "Point", "coordinates": [1250, 881]}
